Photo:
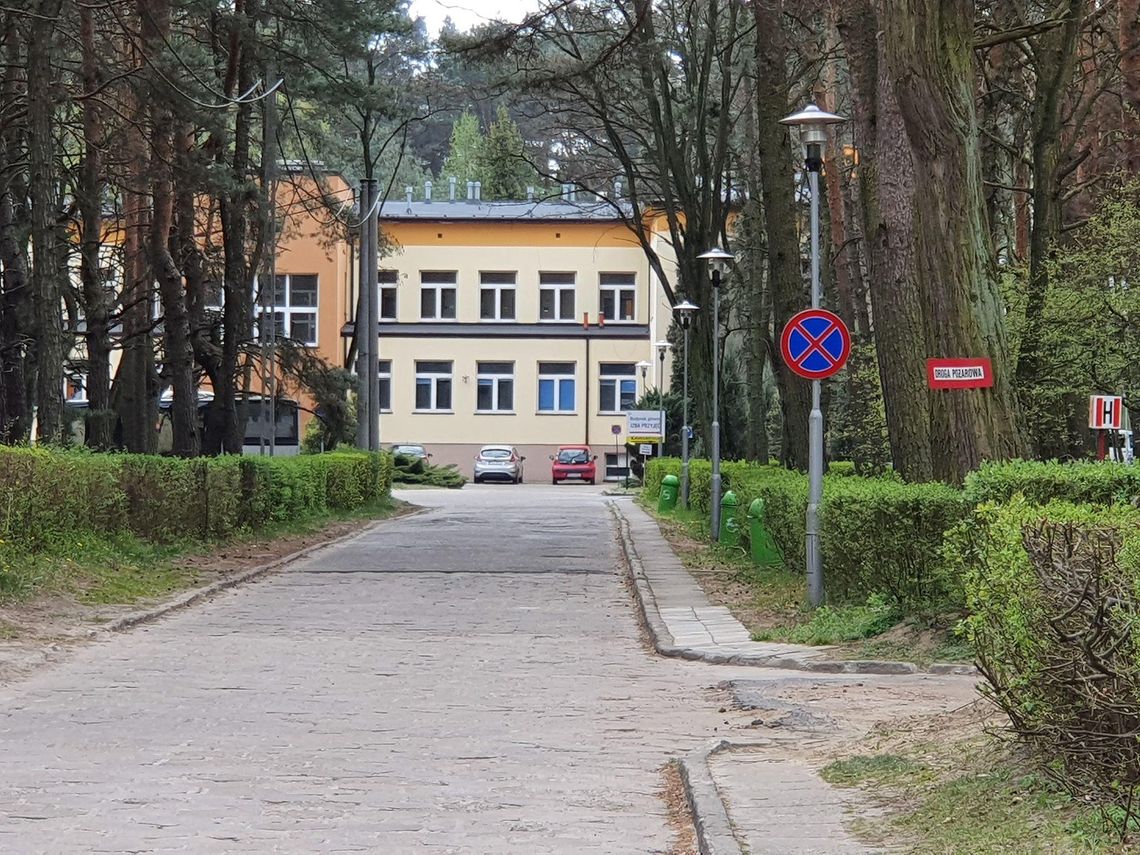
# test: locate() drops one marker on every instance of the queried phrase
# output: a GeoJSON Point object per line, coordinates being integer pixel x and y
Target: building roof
{"type": "Point", "coordinates": [538, 210]}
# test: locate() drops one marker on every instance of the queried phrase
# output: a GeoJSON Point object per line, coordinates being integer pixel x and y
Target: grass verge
{"type": "Point", "coordinates": [96, 569]}
{"type": "Point", "coordinates": [772, 604]}
{"type": "Point", "coordinates": [965, 793]}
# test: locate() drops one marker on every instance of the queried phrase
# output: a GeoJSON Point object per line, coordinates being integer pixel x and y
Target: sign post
{"type": "Point", "coordinates": [815, 345]}
{"type": "Point", "coordinates": [616, 431]}
{"type": "Point", "coordinates": [1106, 413]}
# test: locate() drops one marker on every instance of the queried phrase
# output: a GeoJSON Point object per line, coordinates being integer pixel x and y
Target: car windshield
{"type": "Point", "coordinates": [573, 455]}
{"type": "Point", "coordinates": [408, 449]}
{"type": "Point", "coordinates": [495, 454]}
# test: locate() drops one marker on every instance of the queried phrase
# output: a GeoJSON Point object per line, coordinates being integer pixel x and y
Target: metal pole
{"type": "Point", "coordinates": [815, 421]}
{"type": "Point", "coordinates": [685, 429]}
{"type": "Point", "coordinates": [373, 323]}
{"type": "Point", "coordinates": [715, 497]}
{"type": "Point", "coordinates": [363, 346]}
{"type": "Point", "coordinates": [272, 155]}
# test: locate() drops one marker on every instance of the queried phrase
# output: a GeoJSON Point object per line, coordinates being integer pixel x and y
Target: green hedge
{"type": "Point", "coordinates": [45, 494]}
{"type": "Point", "coordinates": [1101, 483]}
{"type": "Point", "coordinates": [878, 535]}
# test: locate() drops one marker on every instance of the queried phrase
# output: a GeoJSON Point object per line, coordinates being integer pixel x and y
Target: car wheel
{"type": "Point", "coordinates": [554, 481]}
{"type": "Point", "coordinates": [591, 482]}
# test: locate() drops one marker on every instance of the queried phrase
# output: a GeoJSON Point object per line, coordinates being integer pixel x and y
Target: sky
{"type": "Point", "coordinates": [466, 13]}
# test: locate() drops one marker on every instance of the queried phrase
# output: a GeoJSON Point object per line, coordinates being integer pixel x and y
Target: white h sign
{"type": "Point", "coordinates": [1106, 412]}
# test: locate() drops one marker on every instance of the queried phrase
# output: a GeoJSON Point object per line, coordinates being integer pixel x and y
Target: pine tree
{"type": "Point", "coordinates": [465, 151]}
{"type": "Point", "coordinates": [503, 165]}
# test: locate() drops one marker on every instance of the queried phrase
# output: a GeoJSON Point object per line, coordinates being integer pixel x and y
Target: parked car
{"type": "Point", "coordinates": [499, 463]}
{"type": "Point", "coordinates": [573, 463]}
{"type": "Point", "coordinates": [409, 449]}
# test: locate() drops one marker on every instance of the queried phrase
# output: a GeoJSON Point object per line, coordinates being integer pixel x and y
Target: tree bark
{"type": "Point", "coordinates": [785, 278]}
{"type": "Point", "coordinates": [929, 53]}
{"type": "Point", "coordinates": [886, 190]}
{"type": "Point", "coordinates": [1129, 16]}
{"type": "Point", "coordinates": [89, 195]}
{"type": "Point", "coordinates": [47, 267]}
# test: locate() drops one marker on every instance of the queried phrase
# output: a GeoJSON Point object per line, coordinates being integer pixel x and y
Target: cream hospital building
{"type": "Point", "coordinates": [520, 323]}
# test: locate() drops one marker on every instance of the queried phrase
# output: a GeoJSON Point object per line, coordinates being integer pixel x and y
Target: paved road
{"type": "Point", "coordinates": [465, 680]}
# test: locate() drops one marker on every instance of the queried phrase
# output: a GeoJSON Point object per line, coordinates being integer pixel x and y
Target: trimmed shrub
{"type": "Point", "coordinates": [1102, 483]}
{"type": "Point", "coordinates": [49, 494]}
{"type": "Point", "coordinates": [1053, 594]}
{"type": "Point", "coordinates": [879, 535]}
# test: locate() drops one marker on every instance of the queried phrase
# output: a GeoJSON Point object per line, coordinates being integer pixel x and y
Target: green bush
{"type": "Point", "coordinates": [1041, 482]}
{"type": "Point", "coordinates": [411, 469]}
{"type": "Point", "coordinates": [1053, 593]}
{"type": "Point", "coordinates": [48, 495]}
{"type": "Point", "coordinates": [878, 535]}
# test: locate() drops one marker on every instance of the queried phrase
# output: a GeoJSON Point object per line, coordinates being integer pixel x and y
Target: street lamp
{"type": "Point", "coordinates": [718, 261]}
{"type": "Point", "coordinates": [662, 349]}
{"type": "Point", "coordinates": [644, 366]}
{"type": "Point", "coordinates": [685, 311]}
{"type": "Point", "coordinates": [813, 123]}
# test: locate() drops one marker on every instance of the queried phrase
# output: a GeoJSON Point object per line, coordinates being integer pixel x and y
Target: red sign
{"type": "Point", "coordinates": [815, 344]}
{"type": "Point", "coordinates": [1106, 412]}
{"type": "Point", "coordinates": [959, 373]}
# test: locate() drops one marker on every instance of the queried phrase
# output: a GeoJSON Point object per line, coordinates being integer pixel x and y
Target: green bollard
{"type": "Point", "coordinates": [667, 501]}
{"type": "Point", "coordinates": [729, 527]}
{"type": "Point", "coordinates": [764, 552]}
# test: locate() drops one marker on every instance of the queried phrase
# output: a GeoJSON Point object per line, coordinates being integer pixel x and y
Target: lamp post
{"type": "Point", "coordinates": [662, 349]}
{"type": "Point", "coordinates": [718, 261]}
{"type": "Point", "coordinates": [685, 311]}
{"type": "Point", "coordinates": [644, 368]}
{"type": "Point", "coordinates": [813, 123]}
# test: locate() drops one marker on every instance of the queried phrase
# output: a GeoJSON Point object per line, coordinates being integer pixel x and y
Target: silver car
{"type": "Point", "coordinates": [499, 463]}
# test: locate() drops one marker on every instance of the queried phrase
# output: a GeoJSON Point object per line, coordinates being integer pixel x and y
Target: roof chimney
{"type": "Point", "coordinates": [478, 190]}
{"type": "Point", "coordinates": [451, 188]}
{"type": "Point", "coordinates": [408, 191]}
{"type": "Point", "coordinates": [470, 191]}
{"type": "Point", "coordinates": [530, 194]}
{"type": "Point", "coordinates": [617, 188]}
{"type": "Point", "coordinates": [427, 191]}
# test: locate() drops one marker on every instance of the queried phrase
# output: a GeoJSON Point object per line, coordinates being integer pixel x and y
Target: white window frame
{"type": "Point", "coordinates": [284, 313]}
{"type": "Point", "coordinates": [385, 374]}
{"type": "Point", "coordinates": [557, 289]}
{"type": "Point", "coordinates": [496, 379]}
{"type": "Point", "coordinates": [557, 378]}
{"type": "Point", "coordinates": [438, 288]}
{"type": "Point", "coordinates": [617, 379]}
{"type": "Point", "coordinates": [388, 280]}
{"type": "Point", "coordinates": [615, 471]}
{"type": "Point", "coordinates": [487, 284]}
{"type": "Point", "coordinates": [615, 289]}
{"type": "Point", "coordinates": [433, 377]}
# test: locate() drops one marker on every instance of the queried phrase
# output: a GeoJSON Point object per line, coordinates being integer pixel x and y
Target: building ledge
{"type": "Point", "coordinates": [484, 329]}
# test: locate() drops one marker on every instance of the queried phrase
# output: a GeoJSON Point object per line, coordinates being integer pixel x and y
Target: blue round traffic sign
{"type": "Point", "coordinates": [815, 343]}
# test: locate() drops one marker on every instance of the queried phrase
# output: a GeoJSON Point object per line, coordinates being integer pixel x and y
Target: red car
{"type": "Point", "coordinates": [573, 463]}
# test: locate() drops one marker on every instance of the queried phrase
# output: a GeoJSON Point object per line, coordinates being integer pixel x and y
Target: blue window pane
{"type": "Point", "coordinates": [546, 394]}
{"type": "Point", "coordinates": [566, 395]}
{"type": "Point", "coordinates": [628, 394]}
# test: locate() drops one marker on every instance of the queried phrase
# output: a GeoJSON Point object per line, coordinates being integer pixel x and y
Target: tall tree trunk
{"type": "Point", "coordinates": [177, 355]}
{"type": "Point", "coordinates": [47, 267]}
{"type": "Point", "coordinates": [785, 278]}
{"type": "Point", "coordinates": [1128, 13]}
{"type": "Point", "coordinates": [929, 53]}
{"type": "Point", "coordinates": [886, 185]}
{"type": "Point", "coordinates": [100, 416]}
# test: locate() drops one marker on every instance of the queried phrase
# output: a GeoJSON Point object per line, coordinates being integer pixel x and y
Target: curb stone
{"type": "Point", "coordinates": [662, 638]}
{"type": "Point", "coordinates": [197, 595]}
{"type": "Point", "coordinates": [710, 816]}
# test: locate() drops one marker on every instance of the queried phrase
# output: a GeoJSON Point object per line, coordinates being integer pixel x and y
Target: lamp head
{"type": "Point", "coordinates": [644, 366]}
{"type": "Point", "coordinates": [662, 347]}
{"type": "Point", "coordinates": [718, 261]}
{"type": "Point", "coordinates": [685, 311]}
{"type": "Point", "coordinates": [812, 117]}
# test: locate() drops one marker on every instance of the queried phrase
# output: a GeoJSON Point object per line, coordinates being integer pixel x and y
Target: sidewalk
{"type": "Point", "coordinates": [684, 624]}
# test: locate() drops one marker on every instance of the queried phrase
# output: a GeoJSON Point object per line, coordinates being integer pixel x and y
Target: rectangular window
{"type": "Point", "coordinates": [294, 301]}
{"type": "Point", "coordinates": [556, 387]}
{"type": "Point", "coordinates": [617, 466]}
{"type": "Point", "coordinates": [437, 295]}
{"type": "Point", "coordinates": [387, 281]}
{"type": "Point", "coordinates": [617, 296]}
{"type": "Point", "coordinates": [386, 385]}
{"type": "Point", "coordinates": [433, 386]}
{"type": "Point", "coordinates": [496, 295]}
{"type": "Point", "coordinates": [555, 296]}
{"type": "Point", "coordinates": [495, 387]}
{"type": "Point", "coordinates": [617, 390]}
